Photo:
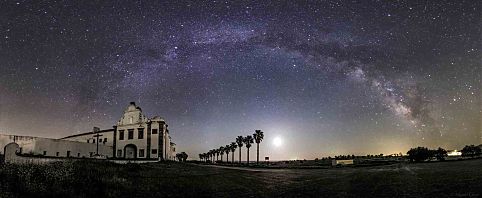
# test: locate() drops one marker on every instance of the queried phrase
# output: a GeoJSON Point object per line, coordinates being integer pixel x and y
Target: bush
{"type": "Point", "coordinates": [419, 154]}
{"type": "Point", "coordinates": [471, 151]}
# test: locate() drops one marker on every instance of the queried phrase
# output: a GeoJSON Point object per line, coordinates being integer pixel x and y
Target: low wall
{"type": "Point", "coordinates": [54, 147]}
{"type": "Point", "coordinates": [12, 156]}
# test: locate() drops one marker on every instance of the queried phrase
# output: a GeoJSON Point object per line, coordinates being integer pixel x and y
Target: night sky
{"type": "Point", "coordinates": [325, 77]}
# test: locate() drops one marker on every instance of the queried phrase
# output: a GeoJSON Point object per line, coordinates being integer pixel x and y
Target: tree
{"type": "Point", "coordinates": [419, 154]}
{"type": "Point", "coordinates": [240, 141]}
{"type": "Point", "coordinates": [227, 149]}
{"type": "Point", "coordinates": [221, 150]}
{"type": "Point", "coordinates": [179, 157]}
{"type": "Point", "coordinates": [248, 140]}
{"type": "Point", "coordinates": [471, 151]}
{"type": "Point", "coordinates": [201, 157]}
{"type": "Point", "coordinates": [233, 148]}
{"type": "Point", "coordinates": [217, 154]}
{"type": "Point", "coordinates": [258, 137]}
{"type": "Point", "coordinates": [184, 156]}
{"type": "Point", "coordinates": [440, 154]}
{"type": "Point", "coordinates": [211, 155]}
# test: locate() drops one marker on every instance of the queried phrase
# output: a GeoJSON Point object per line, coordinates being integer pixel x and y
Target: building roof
{"type": "Point", "coordinates": [87, 133]}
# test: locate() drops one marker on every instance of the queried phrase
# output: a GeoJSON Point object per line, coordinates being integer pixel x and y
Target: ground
{"type": "Point", "coordinates": [99, 179]}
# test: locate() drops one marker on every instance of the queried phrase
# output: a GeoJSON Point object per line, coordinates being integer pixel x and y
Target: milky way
{"type": "Point", "coordinates": [330, 77]}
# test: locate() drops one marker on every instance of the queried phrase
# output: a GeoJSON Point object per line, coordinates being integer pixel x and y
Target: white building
{"type": "Point", "coordinates": [133, 137]}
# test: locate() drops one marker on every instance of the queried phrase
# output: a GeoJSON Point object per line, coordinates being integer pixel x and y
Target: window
{"type": "Point", "coordinates": [119, 153]}
{"type": "Point", "coordinates": [140, 133]}
{"type": "Point", "coordinates": [88, 141]}
{"type": "Point", "coordinates": [45, 152]}
{"type": "Point", "coordinates": [93, 141]}
{"type": "Point", "coordinates": [130, 134]}
{"type": "Point", "coordinates": [141, 152]}
{"type": "Point", "coordinates": [121, 134]}
{"type": "Point", "coordinates": [91, 154]}
{"type": "Point", "coordinates": [57, 154]}
{"type": "Point", "coordinates": [68, 153]}
{"type": "Point", "coordinates": [154, 131]}
{"type": "Point", "coordinates": [78, 154]}
{"type": "Point", "coordinates": [154, 151]}
{"type": "Point", "coordinates": [105, 140]}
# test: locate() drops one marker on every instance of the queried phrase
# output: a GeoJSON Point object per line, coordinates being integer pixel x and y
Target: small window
{"type": "Point", "coordinates": [105, 140]}
{"type": "Point", "coordinates": [141, 152]}
{"type": "Point", "coordinates": [154, 131]}
{"type": "Point", "coordinates": [91, 154]}
{"type": "Point", "coordinates": [78, 154]}
{"type": "Point", "coordinates": [130, 134]}
{"type": "Point", "coordinates": [68, 153]}
{"type": "Point", "coordinates": [88, 140]}
{"type": "Point", "coordinates": [140, 133]}
{"type": "Point", "coordinates": [45, 152]}
{"type": "Point", "coordinates": [154, 151]}
{"type": "Point", "coordinates": [119, 153]}
{"type": "Point", "coordinates": [57, 154]}
{"type": "Point", "coordinates": [121, 135]}
{"type": "Point", "coordinates": [93, 141]}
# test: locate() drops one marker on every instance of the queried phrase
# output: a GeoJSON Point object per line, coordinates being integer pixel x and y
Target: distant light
{"type": "Point", "coordinates": [277, 141]}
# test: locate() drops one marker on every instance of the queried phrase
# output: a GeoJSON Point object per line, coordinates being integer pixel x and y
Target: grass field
{"type": "Point", "coordinates": [171, 179]}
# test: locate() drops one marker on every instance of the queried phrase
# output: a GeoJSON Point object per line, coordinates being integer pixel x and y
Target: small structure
{"type": "Point", "coordinates": [336, 162]}
{"type": "Point", "coordinates": [454, 153]}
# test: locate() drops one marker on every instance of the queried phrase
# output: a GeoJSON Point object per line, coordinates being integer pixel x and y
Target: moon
{"type": "Point", "coordinates": [277, 141]}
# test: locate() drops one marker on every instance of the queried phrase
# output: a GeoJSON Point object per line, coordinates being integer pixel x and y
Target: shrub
{"type": "Point", "coordinates": [419, 154]}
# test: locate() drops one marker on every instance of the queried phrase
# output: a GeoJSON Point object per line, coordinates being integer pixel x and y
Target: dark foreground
{"type": "Point", "coordinates": [97, 179]}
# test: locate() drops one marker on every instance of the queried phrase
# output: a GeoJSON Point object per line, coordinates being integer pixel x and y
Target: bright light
{"type": "Point", "coordinates": [277, 141]}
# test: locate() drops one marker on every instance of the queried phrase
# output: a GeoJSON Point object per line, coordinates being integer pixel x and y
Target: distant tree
{"type": "Point", "coordinates": [211, 155]}
{"type": "Point", "coordinates": [217, 154]}
{"type": "Point", "coordinates": [240, 141]}
{"type": "Point", "coordinates": [222, 150]}
{"type": "Point", "coordinates": [471, 151]}
{"type": "Point", "coordinates": [248, 141]}
{"type": "Point", "coordinates": [258, 137]}
{"type": "Point", "coordinates": [200, 157]}
{"type": "Point", "coordinates": [440, 154]}
{"type": "Point", "coordinates": [180, 157]}
{"type": "Point", "coordinates": [227, 149]}
{"type": "Point", "coordinates": [184, 156]}
{"type": "Point", "coordinates": [419, 154]}
{"type": "Point", "coordinates": [233, 147]}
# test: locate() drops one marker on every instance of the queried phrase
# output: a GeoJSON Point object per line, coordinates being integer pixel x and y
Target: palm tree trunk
{"type": "Point", "coordinates": [232, 158]}
{"type": "Point", "coordinates": [247, 159]}
{"type": "Point", "coordinates": [257, 153]}
{"type": "Point", "coordinates": [240, 155]}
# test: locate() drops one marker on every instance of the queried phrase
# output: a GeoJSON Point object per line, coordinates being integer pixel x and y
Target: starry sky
{"type": "Point", "coordinates": [325, 77]}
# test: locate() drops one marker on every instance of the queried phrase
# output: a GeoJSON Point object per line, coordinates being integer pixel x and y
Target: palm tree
{"type": "Point", "coordinates": [240, 141]}
{"type": "Point", "coordinates": [221, 150]}
{"type": "Point", "coordinates": [227, 149]}
{"type": "Point", "coordinates": [217, 154]}
{"type": "Point", "coordinates": [258, 137]}
{"type": "Point", "coordinates": [211, 155]}
{"type": "Point", "coordinates": [248, 140]}
{"type": "Point", "coordinates": [233, 148]}
{"type": "Point", "coordinates": [200, 157]}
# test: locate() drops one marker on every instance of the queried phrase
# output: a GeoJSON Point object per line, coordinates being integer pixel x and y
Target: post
{"type": "Point", "coordinates": [96, 130]}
